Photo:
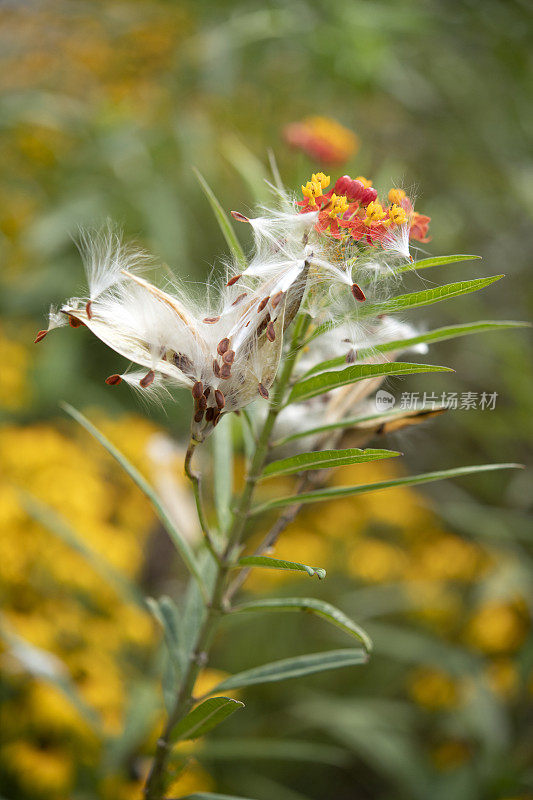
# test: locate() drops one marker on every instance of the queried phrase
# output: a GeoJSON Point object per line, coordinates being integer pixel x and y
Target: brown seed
{"type": "Point", "coordinates": [239, 217]}
{"type": "Point", "coordinates": [209, 414]}
{"type": "Point", "coordinates": [233, 280]}
{"type": "Point", "coordinates": [216, 419]}
{"type": "Point", "coordinates": [182, 362]}
{"type": "Point", "coordinates": [113, 380]}
{"type": "Point", "coordinates": [271, 333]}
{"type": "Point", "coordinates": [262, 304]}
{"type": "Point", "coordinates": [148, 379]}
{"type": "Point", "coordinates": [239, 298]}
{"type": "Point", "coordinates": [198, 417]}
{"type": "Point", "coordinates": [207, 391]}
{"type": "Point", "coordinates": [225, 371]}
{"type": "Point", "coordinates": [358, 293]}
{"type": "Point", "coordinates": [229, 357]}
{"type": "Point", "coordinates": [201, 403]}
{"type": "Point", "coordinates": [275, 300]}
{"type": "Point", "coordinates": [197, 390]}
{"type": "Point", "coordinates": [220, 399]}
{"type": "Point", "coordinates": [223, 346]}
{"type": "Point", "coordinates": [211, 320]}
{"type": "Point", "coordinates": [88, 310]}
{"type": "Point", "coordinates": [263, 324]}
{"type": "Point", "coordinates": [263, 391]}
{"type": "Point", "coordinates": [74, 323]}
{"type": "Point", "coordinates": [351, 357]}
{"type": "Point", "coordinates": [40, 336]}
{"type": "Point", "coordinates": [216, 368]}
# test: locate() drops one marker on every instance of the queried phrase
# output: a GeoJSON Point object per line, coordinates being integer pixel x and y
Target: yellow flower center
{"type": "Point", "coordinates": [366, 183]}
{"type": "Point", "coordinates": [374, 212]}
{"type": "Point", "coordinates": [339, 205]}
{"type": "Point", "coordinates": [315, 187]}
{"type": "Point", "coordinates": [397, 215]}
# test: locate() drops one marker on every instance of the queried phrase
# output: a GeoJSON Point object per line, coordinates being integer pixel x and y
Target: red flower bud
{"type": "Point", "coordinates": [368, 195]}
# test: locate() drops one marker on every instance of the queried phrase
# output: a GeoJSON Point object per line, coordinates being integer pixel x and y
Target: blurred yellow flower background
{"type": "Point", "coordinates": [105, 108]}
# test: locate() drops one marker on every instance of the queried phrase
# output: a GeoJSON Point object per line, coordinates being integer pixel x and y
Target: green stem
{"type": "Point", "coordinates": [195, 481]}
{"type": "Point", "coordinates": [157, 779]}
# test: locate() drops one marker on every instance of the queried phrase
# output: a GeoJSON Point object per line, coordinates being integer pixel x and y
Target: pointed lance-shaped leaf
{"type": "Point", "coordinates": [310, 605]}
{"type": "Point", "coordinates": [346, 491]}
{"type": "Point", "coordinates": [326, 381]}
{"type": "Point", "coordinates": [181, 544]}
{"type": "Point", "coordinates": [295, 668]}
{"type": "Point", "coordinates": [205, 717]}
{"type": "Point", "coordinates": [435, 261]}
{"type": "Point", "coordinates": [223, 221]}
{"type": "Point", "coordinates": [325, 459]}
{"type": "Point", "coordinates": [278, 563]}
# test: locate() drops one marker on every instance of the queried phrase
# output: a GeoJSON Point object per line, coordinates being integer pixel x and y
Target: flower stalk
{"type": "Point", "coordinates": [218, 603]}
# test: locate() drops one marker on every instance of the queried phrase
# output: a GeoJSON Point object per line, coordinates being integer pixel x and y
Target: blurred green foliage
{"type": "Point", "coordinates": [106, 107]}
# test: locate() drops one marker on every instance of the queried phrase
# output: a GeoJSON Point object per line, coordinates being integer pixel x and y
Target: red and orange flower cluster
{"type": "Point", "coordinates": [323, 139]}
{"type": "Point", "coordinates": [352, 209]}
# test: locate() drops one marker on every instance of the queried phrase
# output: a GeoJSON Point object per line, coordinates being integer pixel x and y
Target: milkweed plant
{"type": "Point", "coordinates": [295, 340]}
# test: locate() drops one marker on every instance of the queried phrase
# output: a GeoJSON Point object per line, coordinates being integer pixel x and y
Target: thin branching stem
{"type": "Point", "coordinates": [217, 606]}
{"type": "Point", "coordinates": [195, 482]}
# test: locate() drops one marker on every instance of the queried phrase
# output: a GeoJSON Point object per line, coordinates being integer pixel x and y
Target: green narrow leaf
{"type": "Point", "coordinates": [167, 614]}
{"type": "Point", "coordinates": [352, 422]}
{"type": "Point", "coordinates": [442, 334]}
{"type": "Point", "coordinates": [429, 296]}
{"type": "Point", "coordinates": [413, 300]}
{"type": "Point", "coordinates": [436, 335]}
{"type": "Point", "coordinates": [250, 168]}
{"type": "Point", "coordinates": [57, 525]}
{"type": "Point", "coordinates": [279, 563]}
{"type": "Point", "coordinates": [324, 459]}
{"type": "Point", "coordinates": [205, 717]}
{"type": "Point", "coordinates": [346, 491]}
{"type": "Point", "coordinates": [295, 668]}
{"type": "Point", "coordinates": [435, 261]}
{"type": "Point", "coordinates": [326, 381]}
{"type": "Point", "coordinates": [310, 605]}
{"type": "Point", "coordinates": [181, 544]}
{"type": "Point", "coordinates": [223, 470]}
{"type": "Point", "coordinates": [290, 749]}
{"type": "Point", "coordinates": [224, 222]}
